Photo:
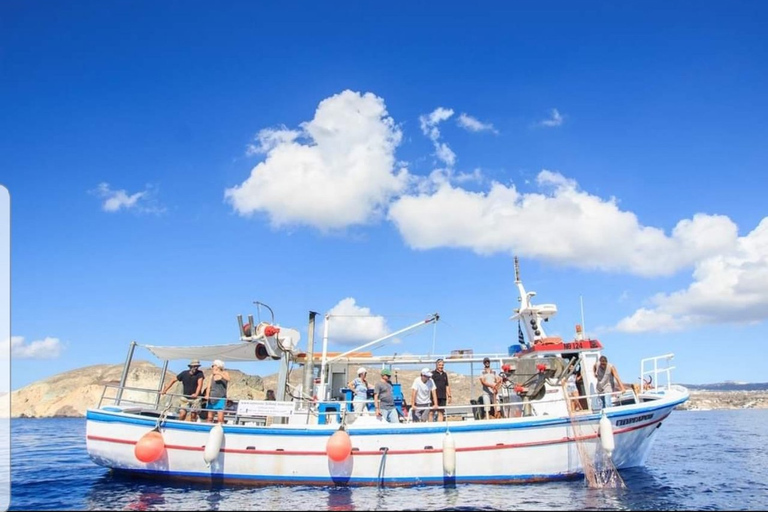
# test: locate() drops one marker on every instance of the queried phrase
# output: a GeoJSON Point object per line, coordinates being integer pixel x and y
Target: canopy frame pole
{"type": "Point", "coordinates": [124, 376]}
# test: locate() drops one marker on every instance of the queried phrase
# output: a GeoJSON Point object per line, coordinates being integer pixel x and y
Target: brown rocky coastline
{"type": "Point", "coordinates": [707, 400]}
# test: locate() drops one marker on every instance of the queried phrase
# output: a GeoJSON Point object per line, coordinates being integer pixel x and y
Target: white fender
{"type": "Point", "coordinates": [213, 446]}
{"type": "Point", "coordinates": [606, 434]}
{"type": "Point", "coordinates": [449, 454]}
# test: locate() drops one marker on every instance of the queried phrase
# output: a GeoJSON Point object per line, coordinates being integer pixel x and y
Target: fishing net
{"type": "Point", "coordinates": [605, 474]}
{"type": "Point", "coordinates": [599, 470]}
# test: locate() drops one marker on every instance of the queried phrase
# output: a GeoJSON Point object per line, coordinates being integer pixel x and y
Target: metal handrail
{"type": "Point", "coordinates": [344, 405]}
{"type": "Point", "coordinates": [119, 398]}
{"type": "Point", "coordinates": [655, 373]}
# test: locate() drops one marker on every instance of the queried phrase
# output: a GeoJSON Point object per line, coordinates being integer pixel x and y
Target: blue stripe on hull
{"type": "Point", "coordinates": [324, 431]}
{"type": "Point", "coordinates": [265, 480]}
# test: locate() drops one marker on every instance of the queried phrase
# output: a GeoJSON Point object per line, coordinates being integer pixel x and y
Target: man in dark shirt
{"type": "Point", "coordinates": [384, 399]}
{"type": "Point", "coordinates": [443, 388]}
{"type": "Point", "coordinates": [192, 384]}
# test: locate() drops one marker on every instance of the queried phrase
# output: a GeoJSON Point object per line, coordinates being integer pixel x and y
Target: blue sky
{"type": "Point", "coordinates": [169, 163]}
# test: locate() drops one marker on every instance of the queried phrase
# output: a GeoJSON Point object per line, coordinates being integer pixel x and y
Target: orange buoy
{"type": "Point", "coordinates": [150, 447]}
{"type": "Point", "coordinates": [339, 446]}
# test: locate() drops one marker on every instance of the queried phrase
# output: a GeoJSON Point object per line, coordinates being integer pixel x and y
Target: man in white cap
{"type": "Point", "coordinates": [359, 387]}
{"type": "Point", "coordinates": [216, 391]}
{"type": "Point", "coordinates": [423, 396]}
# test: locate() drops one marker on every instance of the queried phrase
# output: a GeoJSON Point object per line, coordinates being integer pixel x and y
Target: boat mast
{"type": "Point", "coordinates": [309, 376]}
{"type": "Point", "coordinates": [323, 361]}
{"type": "Point", "coordinates": [532, 316]}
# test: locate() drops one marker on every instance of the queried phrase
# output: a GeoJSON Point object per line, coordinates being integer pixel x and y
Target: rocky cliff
{"type": "Point", "coordinates": [71, 393]}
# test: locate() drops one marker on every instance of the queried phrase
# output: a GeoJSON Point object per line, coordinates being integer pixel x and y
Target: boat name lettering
{"type": "Point", "coordinates": [629, 421]}
{"type": "Point", "coordinates": [576, 345]}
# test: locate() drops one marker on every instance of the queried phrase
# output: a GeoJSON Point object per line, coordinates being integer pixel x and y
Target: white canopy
{"type": "Point", "coordinates": [242, 351]}
{"type": "Point", "coordinates": [285, 341]}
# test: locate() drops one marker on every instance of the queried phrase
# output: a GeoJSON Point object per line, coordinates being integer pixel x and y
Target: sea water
{"type": "Point", "coordinates": [702, 460]}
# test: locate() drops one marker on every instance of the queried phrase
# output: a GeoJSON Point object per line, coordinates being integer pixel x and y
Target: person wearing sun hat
{"type": "Point", "coordinates": [384, 398]}
{"type": "Point", "coordinates": [192, 385]}
{"type": "Point", "coordinates": [359, 387]}
{"type": "Point", "coordinates": [423, 396]}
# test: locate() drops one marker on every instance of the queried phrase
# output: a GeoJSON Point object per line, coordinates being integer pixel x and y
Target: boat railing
{"type": "Point", "coordinates": [343, 411]}
{"type": "Point", "coordinates": [338, 411]}
{"type": "Point", "coordinates": [151, 400]}
{"type": "Point", "coordinates": [136, 396]}
{"type": "Point", "coordinates": [656, 372]}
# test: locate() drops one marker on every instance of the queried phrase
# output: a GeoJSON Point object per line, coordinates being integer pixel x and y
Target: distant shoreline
{"type": "Point", "coordinates": [705, 400]}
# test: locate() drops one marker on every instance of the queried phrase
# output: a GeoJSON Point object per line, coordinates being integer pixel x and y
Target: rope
{"type": "Point", "coordinates": [162, 417]}
{"type": "Point", "coordinates": [382, 465]}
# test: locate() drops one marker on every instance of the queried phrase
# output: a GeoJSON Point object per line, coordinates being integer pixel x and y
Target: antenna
{"type": "Point", "coordinates": [434, 337]}
{"type": "Point", "coordinates": [269, 308]}
{"type": "Point", "coordinates": [583, 325]}
{"type": "Point", "coordinates": [517, 270]}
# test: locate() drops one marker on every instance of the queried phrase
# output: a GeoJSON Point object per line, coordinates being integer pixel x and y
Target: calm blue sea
{"type": "Point", "coordinates": [703, 460]}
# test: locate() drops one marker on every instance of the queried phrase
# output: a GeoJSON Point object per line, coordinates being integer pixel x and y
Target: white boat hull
{"type": "Point", "coordinates": [516, 450]}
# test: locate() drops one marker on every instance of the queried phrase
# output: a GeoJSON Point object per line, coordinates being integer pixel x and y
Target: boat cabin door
{"type": "Point", "coordinates": [338, 381]}
{"type": "Point", "coordinates": [588, 362]}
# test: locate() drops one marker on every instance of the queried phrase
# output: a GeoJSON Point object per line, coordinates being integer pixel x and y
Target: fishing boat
{"type": "Point", "coordinates": [310, 435]}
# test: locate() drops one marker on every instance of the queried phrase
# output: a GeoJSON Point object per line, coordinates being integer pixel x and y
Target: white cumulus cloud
{"type": "Point", "coordinates": [337, 170]}
{"type": "Point", "coordinates": [728, 287]}
{"type": "Point", "coordinates": [351, 324]}
{"type": "Point", "coordinates": [47, 348]}
{"type": "Point", "coordinates": [567, 226]}
{"type": "Point", "coordinates": [559, 223]}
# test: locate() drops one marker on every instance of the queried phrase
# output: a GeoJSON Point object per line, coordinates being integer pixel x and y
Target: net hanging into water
{"type": "Point", "coordinates": [599, 470]}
